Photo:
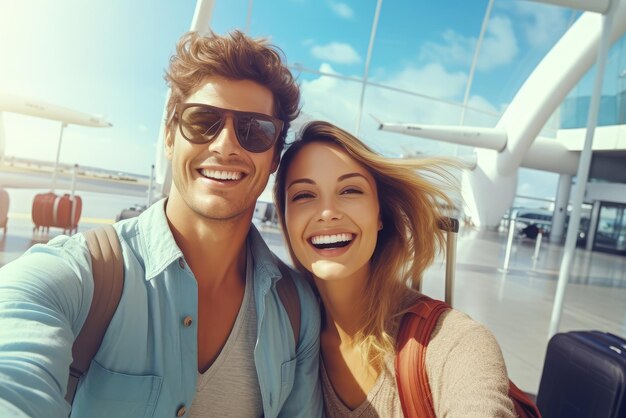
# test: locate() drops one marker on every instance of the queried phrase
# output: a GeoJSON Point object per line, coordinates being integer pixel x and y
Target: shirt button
{"type": "Point", "coordinates": [181, 263]}
{"type": "Point", "coordinates": [181, 411]}
{"type": "Point", "coordinates": [187, 321]}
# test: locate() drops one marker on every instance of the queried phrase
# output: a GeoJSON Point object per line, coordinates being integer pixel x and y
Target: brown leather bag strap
{"type": "Point", "coordinates": [413, 337]}
{"type": "Point", "coordinates": [289, 297]}
{"type": "Point", "coordinates": [107, 266]}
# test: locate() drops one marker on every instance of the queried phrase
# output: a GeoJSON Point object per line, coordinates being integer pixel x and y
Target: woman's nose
{"type": "Point", "coordinates": [329, 212]}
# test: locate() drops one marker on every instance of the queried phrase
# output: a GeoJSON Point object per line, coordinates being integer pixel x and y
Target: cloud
{"type": "Point", "coordinates": [341, 9]}
{"type": "Point", "coordinates": [336, 53]}
{"type": "Point", "coordinates": [542, 24]}
{"type": "Point", "coordinates": [499, 47]}
{"type": "Point", "coordinates": [431, 79]}
{"type": "Point", "coordinates": [455, 49]}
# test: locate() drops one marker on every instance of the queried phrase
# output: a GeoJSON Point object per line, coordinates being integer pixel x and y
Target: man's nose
{"type": "Point", "coordinates": [225, 142]}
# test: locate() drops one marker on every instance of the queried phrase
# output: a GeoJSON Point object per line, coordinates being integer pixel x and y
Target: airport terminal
{"type": "Point", "coordinates": [528, 267]}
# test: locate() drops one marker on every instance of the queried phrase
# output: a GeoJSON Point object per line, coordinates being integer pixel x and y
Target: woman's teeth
{"type": "Point", "coordinates": [331, 241]}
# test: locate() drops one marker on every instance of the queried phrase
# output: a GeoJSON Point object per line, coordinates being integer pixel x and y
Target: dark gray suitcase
{"type": "Point", "coordinates": [584, 375]}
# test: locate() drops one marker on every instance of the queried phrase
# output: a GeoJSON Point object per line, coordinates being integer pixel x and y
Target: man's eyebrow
{"type": "Point", "coordinates": [298, 181]}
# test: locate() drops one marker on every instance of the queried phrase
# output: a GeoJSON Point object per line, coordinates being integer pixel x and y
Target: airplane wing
{"type": "Point", "coordinates": [489, 138]}
{"type": "Point", "coordinates": [546, 154]}
{"type": "Point", "coordinates": [22, 173]}
{"type": "Point", "coordinates": [40, 109]}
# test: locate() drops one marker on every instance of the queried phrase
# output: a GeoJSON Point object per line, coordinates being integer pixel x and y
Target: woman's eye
{"type": "Point", "coordinates": [301, 195]}
{"type": "Point", "coordinates": [351, 190]}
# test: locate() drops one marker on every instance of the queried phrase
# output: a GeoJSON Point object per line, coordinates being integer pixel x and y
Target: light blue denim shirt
{"type": "Point", "coordinates": [147, 363]}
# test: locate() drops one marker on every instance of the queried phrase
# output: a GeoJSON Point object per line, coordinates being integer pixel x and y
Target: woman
{"type": "Point", "coordinates": [364, 228]}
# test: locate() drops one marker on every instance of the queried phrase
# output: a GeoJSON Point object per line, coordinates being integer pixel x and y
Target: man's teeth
{"type": "Point", "coordinates": [331, 239]}
{"type": "Point", "coordinates": [221, 175]}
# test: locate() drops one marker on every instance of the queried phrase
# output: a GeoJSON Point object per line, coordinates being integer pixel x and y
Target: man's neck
{"type": "Point", "coordinates": [214, 249]}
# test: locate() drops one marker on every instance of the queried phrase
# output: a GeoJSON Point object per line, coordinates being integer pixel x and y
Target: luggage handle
{"type": "Point", "coordinates": [451, 226]}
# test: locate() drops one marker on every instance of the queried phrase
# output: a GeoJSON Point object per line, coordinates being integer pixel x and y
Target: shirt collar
{"type": "Point", "coordinates": [161, 248]}
{"type": "Point", "coordinates": [265, 262]}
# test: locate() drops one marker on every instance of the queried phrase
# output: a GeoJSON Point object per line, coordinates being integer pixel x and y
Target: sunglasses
{"type": "Point", "coordinates": [201, 123]}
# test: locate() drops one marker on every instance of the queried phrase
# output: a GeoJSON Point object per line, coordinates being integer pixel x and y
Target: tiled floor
{"type": "Point", "coordinates": [516, 306]}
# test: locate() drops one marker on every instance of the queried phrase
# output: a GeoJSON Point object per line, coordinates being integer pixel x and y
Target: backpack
{"type": "Point", "coordinates": [107, 266]}
{"type": "Point", "coordinates": [412, 341]}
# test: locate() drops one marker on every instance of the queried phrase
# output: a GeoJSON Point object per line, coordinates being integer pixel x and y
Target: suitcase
{"type": "Point", "coordinates": [66, 213]}
{"type": "Point", "coordinates": [450, 226]}
{"type": "Point", "coordinates": [130, 212]}
{"type": "Point", "coordinates": [42, 211]}
{"type": "Point", "coordinates": [51, 210]}
{"type": "Point", "coordinates": [584, 375]}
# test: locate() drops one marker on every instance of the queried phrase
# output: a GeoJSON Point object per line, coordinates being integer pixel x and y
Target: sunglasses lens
{"type": "Point", "coordinates": [256, 134]}
{"type": "Point", "coordinates": [200, 124]}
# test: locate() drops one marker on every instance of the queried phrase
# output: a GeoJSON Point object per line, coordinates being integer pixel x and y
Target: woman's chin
{"type": "Point", "coordinates": [328, 270]}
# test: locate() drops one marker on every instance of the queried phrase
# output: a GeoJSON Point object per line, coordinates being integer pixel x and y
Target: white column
{"type": "Point", "coordinates": [55, 173]}
{"type": "Point", "coordinates": [150, 186]}
{"type": "Point", "coordinates": [593, 225]}
{"type": "Point", "coordinates": [560, 207]}
{"type": "Point", "coordinates": [582, 174]}
{"type": "Point", "coordinates": [368, 59]}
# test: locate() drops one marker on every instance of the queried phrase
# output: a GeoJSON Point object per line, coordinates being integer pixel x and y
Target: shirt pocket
{"type": "Point", "coordinates": [105, 393]}
{"type": "Point", "coordinates": [287, 377]}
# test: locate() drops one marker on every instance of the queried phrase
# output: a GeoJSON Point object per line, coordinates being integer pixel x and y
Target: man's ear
{"type": "Point", "coordinates": [169, 144]}
{"type": "Point", "coordinates": [275, 162]}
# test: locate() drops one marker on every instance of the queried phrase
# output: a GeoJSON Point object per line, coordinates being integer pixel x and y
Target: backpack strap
{"type": "Point", "coordinates": [413, 337]}
{"type": "Point", "coordinates": [107, 266]}
{"type": "Point", "coordinates": [289, 297]}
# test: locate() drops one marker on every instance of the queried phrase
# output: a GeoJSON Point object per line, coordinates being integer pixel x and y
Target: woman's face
{"type": "Point", "coordinates": [332, 212]}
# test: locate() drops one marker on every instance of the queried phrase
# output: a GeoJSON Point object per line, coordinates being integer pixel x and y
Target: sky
{"type": "Point", "coordinates": [108, 58]}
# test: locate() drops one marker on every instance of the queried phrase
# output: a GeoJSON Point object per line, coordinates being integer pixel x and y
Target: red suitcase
{"type": "Point", "coordinates": [66, 212]}
{"type": "Point", "coordinates": [42, 211]}
{"type": "Point", "coordinates": [584, 375]}
{"type": "Point", "coordinates": [56, 211]}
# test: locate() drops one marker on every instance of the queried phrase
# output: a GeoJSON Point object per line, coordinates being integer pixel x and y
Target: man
{"type": "Point", "coordinates": [199, 330]}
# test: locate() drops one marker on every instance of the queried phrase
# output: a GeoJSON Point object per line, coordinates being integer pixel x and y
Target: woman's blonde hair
{"type": "Point", "coordinates": [411, 208]}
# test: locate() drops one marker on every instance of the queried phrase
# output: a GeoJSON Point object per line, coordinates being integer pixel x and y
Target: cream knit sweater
{"type": "Point", "coordinates": [466, 374]}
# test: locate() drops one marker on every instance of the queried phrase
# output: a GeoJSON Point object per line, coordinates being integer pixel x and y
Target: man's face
{"type": "Point", "coordinates": [221, 180]}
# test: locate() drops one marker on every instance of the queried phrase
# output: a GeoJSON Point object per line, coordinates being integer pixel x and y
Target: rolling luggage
{"type": "Point", "coordinates": [42, 210]}
{"type": "Point", "coordinates": [66, 213]}
{"type": "Point", "coordinates": [51, 210]}
{"type": "Point", "coordinates": [130, 212]}
{"type": "Point", "coordinates": [584, 375]}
